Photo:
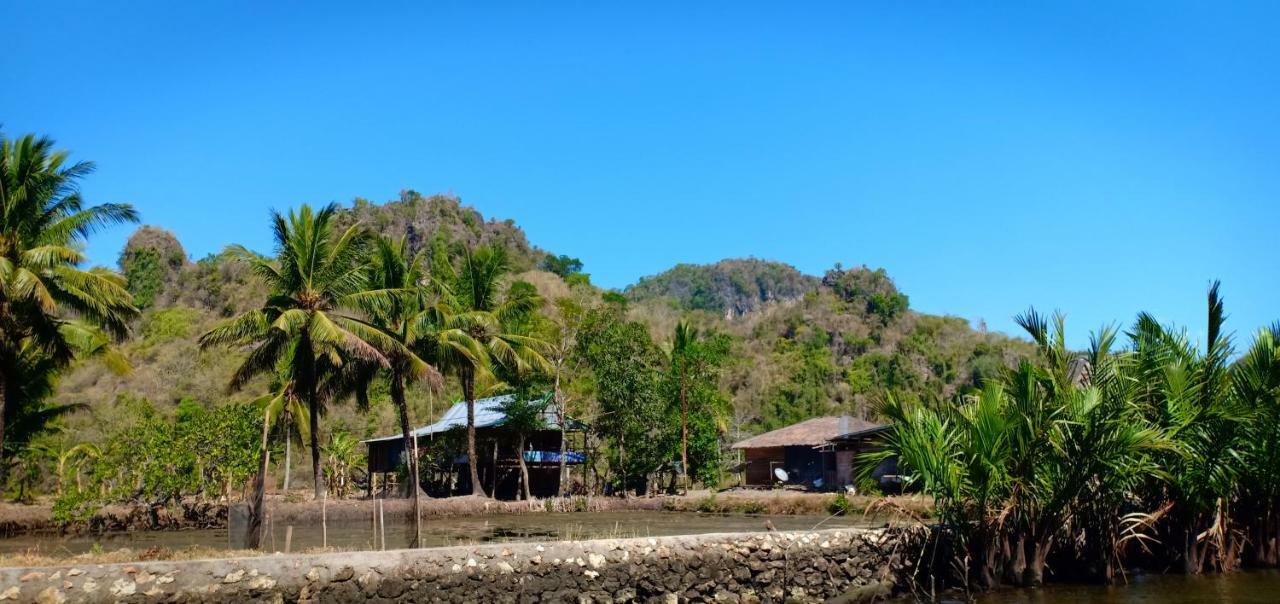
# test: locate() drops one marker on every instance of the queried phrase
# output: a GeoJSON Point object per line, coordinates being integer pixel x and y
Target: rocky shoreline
{"type": "Point", "coordinates": [808, 566]}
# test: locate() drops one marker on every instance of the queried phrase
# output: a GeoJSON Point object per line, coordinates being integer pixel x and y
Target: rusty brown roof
{"type": "Point", "coordinates": [810, 432]}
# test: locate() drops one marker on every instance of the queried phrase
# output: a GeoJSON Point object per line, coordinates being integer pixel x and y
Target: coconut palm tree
{"type": "Point", "coordinates": [477, 309]}
{"type": "Point", "coordinates": [314, 316]}
{"type": "Point", "coordinates": [396, 268]}
{"type": "Point", "coordinates": [409, 318]}
{"type": "Point", "coordinates": [43, 226]}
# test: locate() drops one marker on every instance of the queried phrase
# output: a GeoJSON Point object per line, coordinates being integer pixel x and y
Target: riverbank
{"type": "Point", "coordinates": [19, 518]}
{"type": "Point", "coordinates": [801, 566]}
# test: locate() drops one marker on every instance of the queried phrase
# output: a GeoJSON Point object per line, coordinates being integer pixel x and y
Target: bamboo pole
{"type": "Point", "coordinates": [382, 525]}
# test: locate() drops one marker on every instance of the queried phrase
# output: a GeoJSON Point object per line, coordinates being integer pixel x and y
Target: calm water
{"type": "Point", "coordinates": [459, 530]}
{"type": "Point", "coordinates": [1236, 588]}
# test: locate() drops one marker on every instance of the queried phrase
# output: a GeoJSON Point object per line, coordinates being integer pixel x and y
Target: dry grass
{"type": "Point", "coordinates": [124, 554]}
{"type": "Point", "coordinates": [793, 503]}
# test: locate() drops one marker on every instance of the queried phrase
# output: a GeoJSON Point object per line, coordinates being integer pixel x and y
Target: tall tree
{"type": "Point", "coordinates": [695, 371]}
{"type": "Point", "coordinates": [313, 317]}
{"type": "Point", "coordinates": [396, 270]}
{"type": "Point", "coordinates": [562, 340]}
{"type": "Point", "coordinates": [49, 305]}
{"type": "Point", "coordinates": [478, 309]}
{"type": "Point", "coordinates": [681, 346]}
{"type": "Point", "coordinates": [626, 370]}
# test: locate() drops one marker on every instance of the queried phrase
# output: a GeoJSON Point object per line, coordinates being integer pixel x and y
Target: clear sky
{"type": "Point", "coordinates": [1101, 158]}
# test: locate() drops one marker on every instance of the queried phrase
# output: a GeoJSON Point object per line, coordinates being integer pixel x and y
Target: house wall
{"type": "Point", "coordinates": [760, 463]}
{"type": "Point", "coordinates": [844, 467]}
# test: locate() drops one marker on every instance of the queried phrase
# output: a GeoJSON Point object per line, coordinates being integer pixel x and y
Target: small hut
{"type": "Point", "coordinates": [499, 461]}
{"type": "Point", "coordinates": [804, 451]}
{"type": "Point", "coordinates": [864, 438]}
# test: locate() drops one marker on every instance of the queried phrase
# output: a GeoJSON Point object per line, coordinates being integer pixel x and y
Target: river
{"type": "Point", "coordinates": [1235, 588]}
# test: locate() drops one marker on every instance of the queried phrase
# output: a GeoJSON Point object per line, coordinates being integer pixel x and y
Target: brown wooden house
{"type": "Point", "coordinates": [805, 452]}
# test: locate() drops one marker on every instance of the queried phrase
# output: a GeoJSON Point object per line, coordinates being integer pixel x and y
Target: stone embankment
{"type": "Point", "coordinates": [846, 564]}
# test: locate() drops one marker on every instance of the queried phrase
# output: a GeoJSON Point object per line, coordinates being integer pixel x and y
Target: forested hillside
{"type": "Point", "coordinates": [801, 345]}
{"type": "Point", "coordinates": [733, 287]}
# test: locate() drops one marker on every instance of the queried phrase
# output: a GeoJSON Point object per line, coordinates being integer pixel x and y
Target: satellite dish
{"type": "Point", "coordinates": [780, 474]}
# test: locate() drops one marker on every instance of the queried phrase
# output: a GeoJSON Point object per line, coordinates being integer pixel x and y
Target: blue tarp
{"type": "Point", "coordinates": [571, 457]}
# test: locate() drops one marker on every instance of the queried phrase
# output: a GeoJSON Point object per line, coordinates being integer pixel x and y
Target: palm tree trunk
{"type": "Point", "coordinates": [4, 406]}
{"type": "Point", "coordinates": [305, 375]}
{"type": "Point", "coordinates": [288, 457]}
{"type": "Point", "coordinates": [257, 507]}
{"type": "Point", "coordinates": [411, 460]}
{"type": "Point", "coordinates": [524, 469]}
{"type": "Point", "coordinates": [313, 407]}
{"type": "Point", "coordinates": [468, 392]}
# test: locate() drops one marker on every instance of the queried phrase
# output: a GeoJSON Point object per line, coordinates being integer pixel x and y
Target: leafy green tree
{"type": "Point", "coordinates": [48, 305]}
{"type": "Point", "coordinates": [627, 372]}
{"type": "Point", "coordinates": [560, 333]}
{"type": "Point", "coordinates": [313, 317]}
{"type": "Point", "coordinates": [157, 461]}
{"type": "Point", "coordinates": [524, 416]}
{"type": "Point", "coordinates": [561, 265]}
{"type": "Point", "coordinates": [872, 290]}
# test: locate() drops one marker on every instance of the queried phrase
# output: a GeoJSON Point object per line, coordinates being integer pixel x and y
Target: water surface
{"type": "Point", "coordinates": [437, 531]}
{"type": "Point", "coordinates": [1236, 588]}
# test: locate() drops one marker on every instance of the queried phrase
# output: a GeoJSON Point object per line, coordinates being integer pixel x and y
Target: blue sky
{"type": "Point", "coordinates": [1101, 158]}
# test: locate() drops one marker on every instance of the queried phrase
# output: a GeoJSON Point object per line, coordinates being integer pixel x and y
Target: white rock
{"type": "Point", "coordinates": [123, 587]}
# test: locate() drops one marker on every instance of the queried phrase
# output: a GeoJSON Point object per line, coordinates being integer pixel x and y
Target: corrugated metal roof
{"type": "Point", "coordinates": [811, 432]}
{"type": "Point", "coordinates": [488, 414]}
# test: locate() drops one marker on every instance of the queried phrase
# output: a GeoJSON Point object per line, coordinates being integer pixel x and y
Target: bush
{"type": "Point", "coordinates": [840, 506]}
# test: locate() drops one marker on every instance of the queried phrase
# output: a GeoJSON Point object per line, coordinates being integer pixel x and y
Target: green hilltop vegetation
{"type": "Point", "coordinates": [802, 346]}
{"type": "Point", "coordinates": [733, 287]}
